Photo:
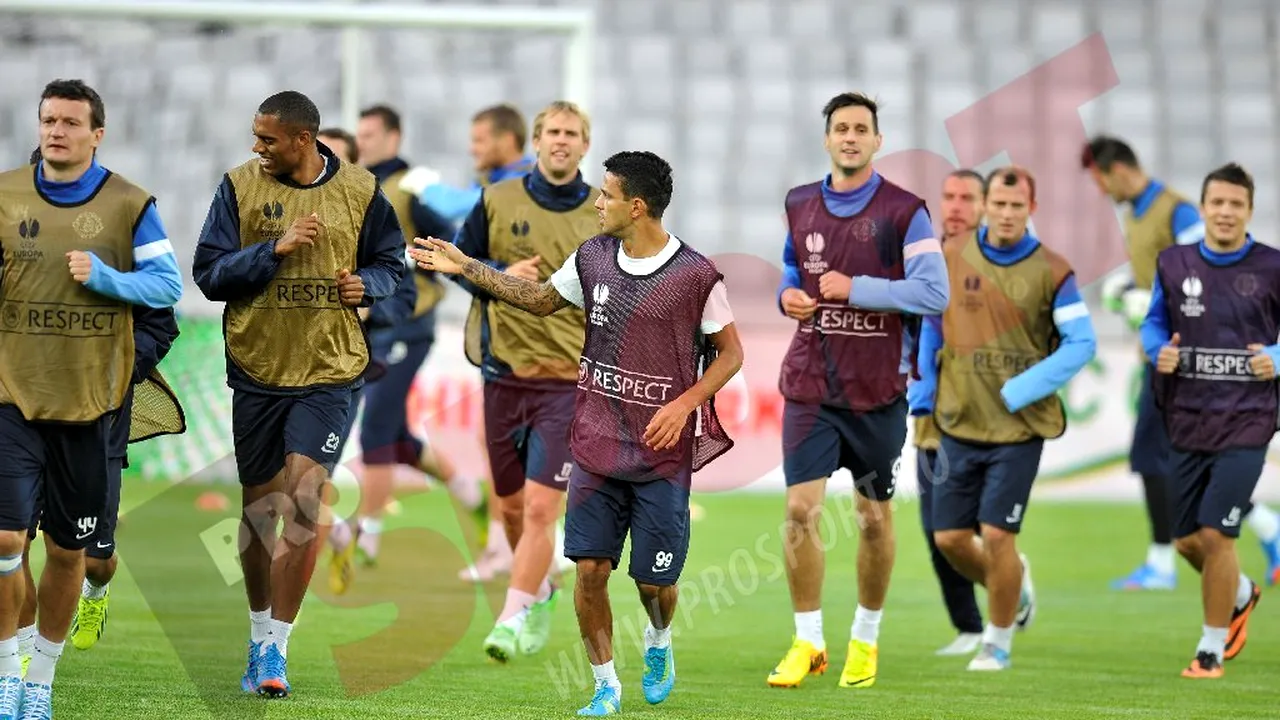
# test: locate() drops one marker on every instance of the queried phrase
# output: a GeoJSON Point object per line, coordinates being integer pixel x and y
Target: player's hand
{"type": "Point", "coordinates": [81, 265]}
{"type": "Point", "coordinates": [835, 286]}
{"type": "Point", "coordinates": [302, 232]}
{"type": "Point", "coordinates": [438, 255]}
{"type": "Point", "coordinates": [350, 288]}
{"type": "Point", "coordinates": [797, 304]}
{"type": "Point", "coordinates": [666, 426]}
{"type": "Point", "coordinates": [1263, 367]}
{"type": "Point", "coordinates": [526, 269]}
{"type": "Point", "coordinates": [1167, 360]}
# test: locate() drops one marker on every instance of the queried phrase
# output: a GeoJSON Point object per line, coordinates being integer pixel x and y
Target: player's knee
{"type": "Point", "coordinates": [997, 541]}
{"type": "Point", "coordinates": [953, 543]}
{"type": "Point", "coordinates": [593, 574]}
{"type": "Point", "coordinates": [13, 542]}
{"type": "Point", "coordinates": [541, 511]}
{"type": "Point", "coordinates": [1214, 541]}
{"type": "Point", "coordinates": [55, 554]}
{"type": "Point", "coordinates": [1189, 546]}
{"type": "Point", "coordinates": [512, 509]}
{"type": "Point", "coordinates": [803, 511]}
{"type": "Point", "coordinates": [874, 522]}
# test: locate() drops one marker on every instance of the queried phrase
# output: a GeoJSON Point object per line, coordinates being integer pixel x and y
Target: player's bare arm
{"type": "Point", "coordinates": [540, 299]}
{"type": "Point", "coordinates": [664, 429]}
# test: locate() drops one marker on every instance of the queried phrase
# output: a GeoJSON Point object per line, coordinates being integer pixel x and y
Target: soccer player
{"type": "Point", "coordinates": [293, 243]}
{"type": "Point", "coordinates": [526, 227]}
{"type": "Point", "coordinates": [860, 259]}
{"type": "Point", "coordinates": [962, 206]}
{"type": "Point", "coordinates": [1211, 332]}
{"type": "Point", "coordinates": [401, 347]}
{"type": "Point", "coordinates": [81, 245]}
{"type": "Point", "coordinates": [1157, 218]}
{"type": "Point", "coordinates": [498, 137]}
{"type": "Point", "coordinates": [154, 331]}
{"type": "Point", "coordinates": [991, 367]}
{"type": "Point", "coordinates": [660, 341]}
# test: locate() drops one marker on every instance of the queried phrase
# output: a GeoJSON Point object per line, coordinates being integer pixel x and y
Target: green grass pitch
{"type": "Point", "coordinates": [405, 642]}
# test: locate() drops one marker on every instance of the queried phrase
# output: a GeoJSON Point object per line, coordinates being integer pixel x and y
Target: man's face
{"type": "Point", "coordinates": [1008, 209]}
{"type": "Point", "coordinates": [560, 145]}
{"type": "Point", "coordinates": [279, 149]}
{"type": "Point", "coordinates": [961, 205]}
{"type": "Point", "coordinates": [1226, 211]}
{"type": "Point", "coordinates": [1109, 182]}
{"type": "Point", "coordinates": [486, 146]}
{"type": "Point", "coordinates": [67, 138]}
{"type": "Point", "coordinates": [852, 140]}
{"type": "Point", "coordinates": [616, 213]}
{"type": "Point", "coordinates": [375, 142]}
{"type": "Point", "coordinates": [338, 146]}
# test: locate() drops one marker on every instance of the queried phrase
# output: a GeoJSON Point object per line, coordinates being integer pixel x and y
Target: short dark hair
{"type": "Point", "coordinates": [78, 90]}
{"type": "Point", "coordinates": [293, 108]}
{"type": "Point", "coordinates": [344, 136]}
{"type": "Point", "coordinates": [644, 175]}
{"type": "Point", "coordinates": [505, 119]}
{"type": "Point", "coordinates": [390, 118]}
{"type": "Point", "coordinates": [36, 156]}
{"type": "Point", "coordinates": [1231, 173]}
{"type": "Point", "coordinates": [970, 174]}
{"type": "Point", "coordinates": [1105, 152]}
{"type": "Point", "coordinates": [1009, 176]}
{"type": "Point", "coordinates": [852, 99]}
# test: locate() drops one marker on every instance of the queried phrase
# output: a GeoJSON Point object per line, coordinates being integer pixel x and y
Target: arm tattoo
{"type": "Point", "coordinates": [538, 299]}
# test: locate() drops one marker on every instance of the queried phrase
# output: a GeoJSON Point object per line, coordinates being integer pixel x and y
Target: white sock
{"type": "Point", "coordinates": [544, 591]}
{"type": "Point", "coordinates": [27, 640]}
{"type": "Point", "coordinates": [93, 592]}
{"type": "Point", "coordinates": [1160, 557]}
{"type": "Point", "coordinates": [44, 660]}
{"type": "Point", "coordinates": [280, 636]}
{"type": "Point", "coordinates": [606, 675]}
{"type": "Point", "coordinates": [10, 662]}
{"type": "Point", "coordinates": [1265, 523]}
{"type": "Point", "coordinates": [1213, 640]}
{"type": "Point", "coordinates": [259, 625]}
{"type": "Point", "coordinates": [655, 638]}
{"type": "Point", "coordinates": [370, 525]}
{"type": "Point", "coordinates": [1244, 591]}
{"type": "Point", "coordinates": [866, 625]}
{"type": "Point", "coordinates": [998, 636]}
{"type": "Point", "coordinates": [809, 629]}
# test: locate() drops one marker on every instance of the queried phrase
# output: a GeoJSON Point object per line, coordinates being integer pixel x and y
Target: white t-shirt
{"type": "Point", "coordinates": [716, 314]}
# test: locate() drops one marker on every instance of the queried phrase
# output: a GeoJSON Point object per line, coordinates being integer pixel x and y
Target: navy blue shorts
{"type": "Point", "coordinates": [1149, 453]}
{"type": "Point", "coordinates": [601, 511]}
{"type": "Point", "coordinates": [527, 435]}
{"type": "Point", "coordinates": [1213, 490]}
{"type": "Point", "coordinates": [987, 484]}
{"type": "Point", "coordinates": [384, 428]}
{"type": "Point", "coordinates": [55, 471]}
{"type": "Point", "coordinates": [817, 440]}
{"type": "Point", "coordinates": [266, 428]}
{"type": "Point", "coordinates": [102, 544]}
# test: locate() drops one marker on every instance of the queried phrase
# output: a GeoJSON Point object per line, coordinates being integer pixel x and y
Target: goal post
{"type": "Point", "coordinates": [578, 23]}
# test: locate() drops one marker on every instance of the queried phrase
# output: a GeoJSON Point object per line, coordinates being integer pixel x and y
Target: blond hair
{"type": "Point", "coordinates": [563, 106]}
